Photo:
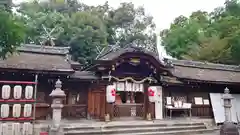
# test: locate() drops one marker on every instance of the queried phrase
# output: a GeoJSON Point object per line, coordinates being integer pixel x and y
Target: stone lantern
{"type": "Point", "coordinates": [228, 127]}
{"type": "Point", "coordinates": [57, 98]}
{"type": "Point", "coordinates": [227, 98]}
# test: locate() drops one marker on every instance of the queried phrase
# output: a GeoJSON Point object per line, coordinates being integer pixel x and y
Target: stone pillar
{"type": "Point", "coordinates": [228, 127]}
{"type": "Point", "coordinates": [57, 95]}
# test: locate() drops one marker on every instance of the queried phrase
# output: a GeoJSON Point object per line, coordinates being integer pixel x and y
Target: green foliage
{"type": "Point", "coordinates": [87, 29]}
{"type": "Point", "coordinates": [89, 33]}
{"type": "Point", "coordinates": [212, 37]}
{"type": "Point", "coordinates": [12, 33]}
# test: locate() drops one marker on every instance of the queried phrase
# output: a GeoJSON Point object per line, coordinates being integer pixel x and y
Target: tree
{"type": "Point", "coordinates": [129, 25]}
{"type": "Point", "coordinates": [212, 49]}
{"type": "Point", "coordinates": [88, 29]}
{"type": "Point", "coordinates": [12, 33]}
{"type": "Point", "coordinates": [86, 32]}
{"type": "Point", "coordinates": [182, 36]}
{"type": "Point", "coordinates": [212, 37]}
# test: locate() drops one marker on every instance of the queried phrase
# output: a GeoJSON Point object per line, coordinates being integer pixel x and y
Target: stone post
{"type": "Point", "coordinates": [228, 127]}
{"type": "Point", "coordinates": [57, 105]}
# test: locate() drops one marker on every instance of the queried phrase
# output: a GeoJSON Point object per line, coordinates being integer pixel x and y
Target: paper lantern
{"type": "Point", "coordinates": [6, 90]}
{"type": "Point", "coordinates": [16, 110]}
{"type": "Point", "coordinates": [4, 110]}
{"type": "Point", "coordinates": [27, 128]}
{"type": "Point", "coordinates": [27, 110]}
{"type": "Point", "coordinates": [152, 91]}
{"type": "Point", "coordinates": [29, 92]}
{"type": "Point", "coordinates": [110, 93]}
{"type": "Point", "coordinates": [16, 129]}
{"type": "Point", "coordinates": [17, 93]}
{"type": "Point", "coordinates": [4, 129]}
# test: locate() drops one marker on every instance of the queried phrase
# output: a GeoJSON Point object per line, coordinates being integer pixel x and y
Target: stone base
{"type": "Point", "coordinates": [229, 128]}
{"type": "Point", "coordinates": [56, 131]}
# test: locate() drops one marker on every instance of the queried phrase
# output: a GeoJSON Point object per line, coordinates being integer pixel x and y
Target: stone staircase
{"type": "Point", "coordinates": [140, 129]}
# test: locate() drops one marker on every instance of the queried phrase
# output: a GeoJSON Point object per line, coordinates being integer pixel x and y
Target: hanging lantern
{"type": "Point", "coordinates": [27, 110]}
{"type": "Point", "coordinates": [110, 94]}
{"type": "Point", "coordinates": [4, 129]}
{"type": "Point", "coordinates": [27, 128]}
{"type": "Point", "coordinates": [16, 110]}
{"type": "Point", "coordinates": [17, 93]}
{"type": "Point", "coordinates": [152, 91]}
{"type": "Point", "coordinates": [6, 90]}
{"type": "Point", "coordinates": [4, 110]}
{"type": "Point", "coordinates": [29, 92]}
{"type": "Point", "coordinates": [16, 129]}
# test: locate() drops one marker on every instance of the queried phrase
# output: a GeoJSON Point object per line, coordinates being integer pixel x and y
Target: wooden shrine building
{"type": "Point", "coordinates": [131, 70]}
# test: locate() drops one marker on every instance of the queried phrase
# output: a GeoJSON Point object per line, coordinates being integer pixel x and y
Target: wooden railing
{"type": "Point", "coordinates": [43, 110]}
{"type": "Point", "coordinates": [75, 111]}
{"type": "Point", "coordinates": [202, 111]}
{"type": "Point", "coordinates": [128, 110]}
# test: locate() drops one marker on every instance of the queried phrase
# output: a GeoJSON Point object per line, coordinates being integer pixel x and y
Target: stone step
{"type": "Point", "coordinates": [81, 128]}
{"type": "Point", "coordinates": [125, 126]}
{"type": "Point", "coordinates": [151, 125]}
{"type": "Point", "coordinates": [135, 130]}
{"type": "Point", "coordinates": [182, 132]}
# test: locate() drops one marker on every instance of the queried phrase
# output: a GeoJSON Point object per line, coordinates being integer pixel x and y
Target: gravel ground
{"type": "Point", "coordinates": [217, 133]}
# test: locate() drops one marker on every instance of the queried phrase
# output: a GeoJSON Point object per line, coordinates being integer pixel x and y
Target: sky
{"type": "Point", "coordinates": [163, 11]}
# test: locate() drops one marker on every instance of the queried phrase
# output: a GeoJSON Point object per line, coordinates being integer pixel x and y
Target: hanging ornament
{"type": "Point", "coordinates": [141, 87]}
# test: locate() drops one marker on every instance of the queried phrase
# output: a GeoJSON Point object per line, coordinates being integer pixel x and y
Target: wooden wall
{"type": "Point", "coordinates": [75, 102]}
{"type": "Point", "coordinates": [43, 106]}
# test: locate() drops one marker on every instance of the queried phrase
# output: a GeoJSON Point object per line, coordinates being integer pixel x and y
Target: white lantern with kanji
{"type": "Point", "coordinates": [4, 130]}
{"type": "Point", "coordinates": [111, 93]}
{"type": "Point", "coordinates": [17, 93]}
{"type": "Point", "coordinates": [5, 110]}
{"type": "Point", "coordinates": [27, 111]}
{"type": "Point", "coordinates": [6, 90]}
{"type": "Point", "coordinates": [27, 128]}
{"type": "Point", "coordinates": [16, 110]}
{"type": "Point", "coordinates": [16, 129]}
{"type": "Point", "coordinates": [152, 93]}
{"type": "Point", "coordinates": [29, 92]}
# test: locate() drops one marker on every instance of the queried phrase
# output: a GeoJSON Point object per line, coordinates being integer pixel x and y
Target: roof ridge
{"type": "Point", "coordinates": [44, 49]}
{"type": "Point", "coordinates": [205, 65]}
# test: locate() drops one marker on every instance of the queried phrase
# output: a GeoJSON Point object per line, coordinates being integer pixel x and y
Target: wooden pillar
{"type": "Point", "coordinates": [146, 101]}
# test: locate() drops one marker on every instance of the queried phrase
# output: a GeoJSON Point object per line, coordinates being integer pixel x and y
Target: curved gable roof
{"type": "Point", "coordinates": [111, 55]}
